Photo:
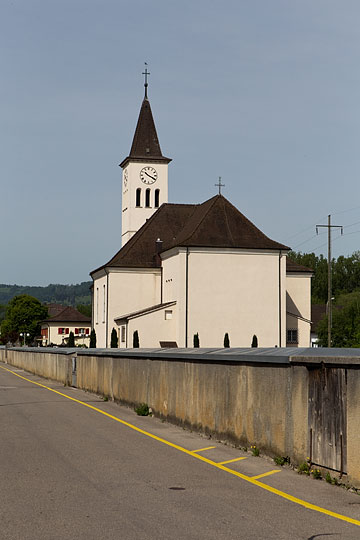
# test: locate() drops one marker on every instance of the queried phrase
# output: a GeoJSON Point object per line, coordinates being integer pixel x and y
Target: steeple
{"type": "Point", "coordinates": [145, 145]}
{"type": "Point", "coordinates": [145, 173]}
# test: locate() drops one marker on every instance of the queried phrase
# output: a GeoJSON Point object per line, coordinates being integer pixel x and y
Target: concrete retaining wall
{"type": "Point", "coordinates": [246, 398]}
{"type": "Point", "coordinates": [43, 362]}
{"type": "Point", "coordinates": [246, 404]}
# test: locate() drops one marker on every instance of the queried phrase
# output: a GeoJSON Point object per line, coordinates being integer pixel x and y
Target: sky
{"type": "Point", "coordinates": [263, 93]}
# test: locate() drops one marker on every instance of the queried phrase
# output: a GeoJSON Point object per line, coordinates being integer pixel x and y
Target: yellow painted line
{"type": "Point", "coordinates": [231, 460]}
{"type": "Point", "coordinates": [203, 449]}
{"type": "Point", "coordinates": [265, 474]}
{"type": "Point", "coordinates": [253, 481]}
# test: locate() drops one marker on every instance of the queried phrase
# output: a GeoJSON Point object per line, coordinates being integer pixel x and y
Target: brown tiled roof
{"type": "Point", "coordinates": [215, 224]}
{"type": "Point", "coordinates": [54, 309]}
{"type": "Point", "coordinates": [145, 143]}
{"type": "Point", "coordinates": [292, 266]}
{"type": "Point", "coordinates": [69, 314]}
{"type": "Point", "coordinates": [140, 250]}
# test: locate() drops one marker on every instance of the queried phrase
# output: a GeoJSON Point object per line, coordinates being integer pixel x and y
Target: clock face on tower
{"type": "Point", "coordinates": [125, 178]}
{"type": "Point", "coordinates": [148, 175]}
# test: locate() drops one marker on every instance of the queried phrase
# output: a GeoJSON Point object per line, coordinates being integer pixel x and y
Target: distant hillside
{"type": "Point", "coordinates": [69, 295]}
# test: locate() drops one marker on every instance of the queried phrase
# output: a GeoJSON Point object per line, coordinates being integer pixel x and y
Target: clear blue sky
{"type": "Point", "coordinates": [263, 93]}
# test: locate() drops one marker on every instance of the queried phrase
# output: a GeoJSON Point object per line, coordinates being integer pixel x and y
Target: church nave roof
{"type": "Point", "coordinates": [216, 223]}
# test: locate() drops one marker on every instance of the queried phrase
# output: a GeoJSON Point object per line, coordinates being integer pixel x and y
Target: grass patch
{"type": "Point", "coordinates": [142, 409]}
{"type": "Point", "coordinates": [281, 460]}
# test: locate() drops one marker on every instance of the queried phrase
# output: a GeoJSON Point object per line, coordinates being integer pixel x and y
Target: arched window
{"type": "Point", "coordinates": [147, 198]}
{"type": "Point", "coordinates": [138, 197]}
{"type": "Point", "coordinates": [157, 198]}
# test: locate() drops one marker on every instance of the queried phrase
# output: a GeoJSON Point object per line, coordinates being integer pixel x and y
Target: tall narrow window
{"type": "Point", "coordinates": [147, 198]}
{"type": "Point", "coordinates": [157, 198]}
{"type": "Point", "coordinates": [138, 197]}
{"type": "Point", "coordinates": [97, 305]}
{"type": "Point", "coordinates": [104, 304]}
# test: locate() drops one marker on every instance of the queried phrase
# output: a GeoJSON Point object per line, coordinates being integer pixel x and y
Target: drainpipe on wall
{"type": "Point", "coordinates": [158, 262]}
{"type": "Point", "coordinates": [107, 307]}
{"type": "Point", "coordinates": [186, 296]}
{"type": "Point", "coordinates": [280, 298]}
{"type": "Point", "coordinates": [92, 306]}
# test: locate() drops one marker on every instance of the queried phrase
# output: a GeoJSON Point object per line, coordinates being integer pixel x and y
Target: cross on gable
{"type": "Point", "coordinates": [220, 185]}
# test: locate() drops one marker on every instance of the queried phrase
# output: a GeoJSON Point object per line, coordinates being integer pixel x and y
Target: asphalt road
{"type": "Point", "coordinates": [67, 471]}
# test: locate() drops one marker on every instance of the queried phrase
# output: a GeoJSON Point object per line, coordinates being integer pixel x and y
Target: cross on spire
{"type": "Point", "coordinates": [146, 73]}
{"type": "Point", "coordinates": [220, 185]}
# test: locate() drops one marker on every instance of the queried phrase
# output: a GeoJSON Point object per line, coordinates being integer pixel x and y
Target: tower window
{"type": "Point", "coordinates": [147, 198]}
{"type": "Point", "coordinates": [138, 197]}
{"type": "Point", "coordinates": [157, 197]}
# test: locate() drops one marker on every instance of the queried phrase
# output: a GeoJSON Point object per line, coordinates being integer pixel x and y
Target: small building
{"type": "Point", "coordinates": [56, 329]}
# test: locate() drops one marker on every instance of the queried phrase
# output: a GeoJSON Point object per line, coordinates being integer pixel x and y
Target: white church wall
{"type": "Point", "coordinates": [174, 287]}
{"type": "Point", "coordinates": [99, 299]}
{"type": "Point", "coordinates": [298, 286]}
{"type": "Point", "coordinates": [132, 290]}
{"type": "Point", "coordinates": [129, 290]}
{"type": "Point", "coordinates": [237, 292]}
{"type": "Point", "coordinates": [303, 331]}
{"type": "Point", "coordinates": [154, 327]}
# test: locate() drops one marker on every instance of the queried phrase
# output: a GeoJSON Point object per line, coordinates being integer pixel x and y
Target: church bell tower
{"type": "Point", "coordinates": [144, 175]}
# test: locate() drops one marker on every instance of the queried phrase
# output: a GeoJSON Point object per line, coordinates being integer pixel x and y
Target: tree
{"type": "Point", "coordinates": [345, 274]}
{"type": "Point", "coordinates": [254, 342]}
{"type": "Point", "coordinates": [71, 340]}
{"type": "Point", "coordinates": [226, 340]}
{"type": "Point", "coordinates": [114, 339]}
{"type": "Point", "coordinates": [92, 339]}
{"type": "Point", "coordinates": [196, 340]}
{"type": "Point", "coordinates": [345, 331]}
{"type": "Point", "coordinates": [136, 343]}
{"type": "Point", "coordinates": [2, 312]}
{"type": "Point", "coordinates": [85, 309]}
{"type": "Point", "coordinates": [23, 314]}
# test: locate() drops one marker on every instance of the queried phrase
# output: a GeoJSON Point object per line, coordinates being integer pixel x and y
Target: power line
{"type": "Point", "coordinates": [304, 230]}
{"type": "Point", "coordinates": [353, 232]}
{"type": "Point", "coordinates": [351, 224]}
{"type": "Point", "coordinates": [304, 242]}
{"type": "Point", "coordinates": [325, 243]}
{"type": "Point", "coordinates": [347, 210]}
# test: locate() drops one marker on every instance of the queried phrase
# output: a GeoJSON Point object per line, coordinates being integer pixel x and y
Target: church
{"type": "Point", "coordinates": [186, 270]}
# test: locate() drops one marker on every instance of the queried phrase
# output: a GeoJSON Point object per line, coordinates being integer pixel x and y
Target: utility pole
{"type": "Point", "coordinates": [329, 304]}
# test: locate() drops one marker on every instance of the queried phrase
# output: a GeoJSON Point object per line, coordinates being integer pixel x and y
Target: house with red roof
{"type": "Point", "coordinates": [56, 329]}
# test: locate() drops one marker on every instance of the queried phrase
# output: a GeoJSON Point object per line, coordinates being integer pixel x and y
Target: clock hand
{"type": "Point", "coordinates": [149, 175]}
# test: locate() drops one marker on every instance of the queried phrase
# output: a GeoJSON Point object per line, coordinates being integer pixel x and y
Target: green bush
{"type": "Point", "coordinates": [226, 340]}
{"type": "Point", "coordinates": [142, 409]}
{"type": "Point", "coordinates": [92, 339]}
{"type": "Point", "coordinates": [114, 339]}
{"type": "Point", "coordinates": [136, 343]}
{"type": "Point", "coordinates": [71, 340]}
{"type": "Point", "coordinates": [196, 340]}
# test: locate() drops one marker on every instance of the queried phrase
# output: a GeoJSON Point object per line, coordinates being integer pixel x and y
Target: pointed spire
{"type": "Point", "coordinates": [145, 145]}
{"type": "Point", "coordinates": [145, 142]}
